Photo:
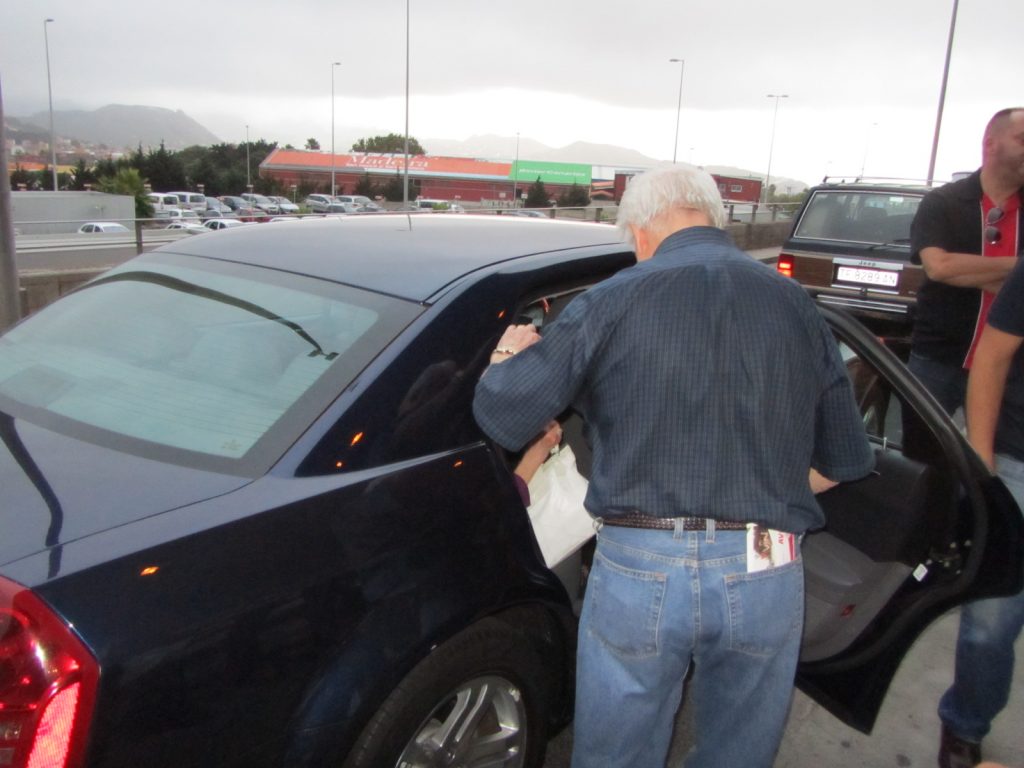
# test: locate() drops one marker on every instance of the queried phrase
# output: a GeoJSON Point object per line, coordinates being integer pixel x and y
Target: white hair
{"type": "Point", "coordinates": [665, 187]}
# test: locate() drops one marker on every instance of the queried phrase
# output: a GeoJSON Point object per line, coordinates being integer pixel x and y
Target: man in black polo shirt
{"type": "Point", "coordinates": [964, 267]}
{"type": "Point", "coordinates": [968, 236]}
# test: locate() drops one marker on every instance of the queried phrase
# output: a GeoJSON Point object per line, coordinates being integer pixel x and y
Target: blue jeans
{"type": "Point", "coordinates": [984, 647]}
{"type": "Point", "coordinates": [657, 601]}
{"type": "Point", "coordinates": [947, 383]}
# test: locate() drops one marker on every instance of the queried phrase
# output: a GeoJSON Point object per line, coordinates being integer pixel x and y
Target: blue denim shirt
{"type": "Point", "coordinates": [709, 385]}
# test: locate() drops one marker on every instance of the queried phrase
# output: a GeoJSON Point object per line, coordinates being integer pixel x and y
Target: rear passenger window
{"type": "Point", "coordinates": [879, 407]}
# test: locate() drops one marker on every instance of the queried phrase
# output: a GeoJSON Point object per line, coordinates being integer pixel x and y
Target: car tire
{"type": "Point", "coordinates": [453, 706]}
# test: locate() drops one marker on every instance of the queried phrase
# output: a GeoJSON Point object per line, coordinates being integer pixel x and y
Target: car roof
{"type": "Point", "coordinates": [873, 186]}
{"type": "Point", "coordinates": [412, 257]}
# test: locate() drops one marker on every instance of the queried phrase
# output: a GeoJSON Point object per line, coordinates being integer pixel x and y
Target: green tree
{"type": "Point", "coordinates": [83, 175]}
{"type": "Point", "coordinates": [366, 187]}
{"type": "Point", "coordinates": [393, 144]}
{"type": "Point", "coordinates": [20, 176]}
{"type": "Point", "coordinates": [128, 181]}
{"type": "Point", "coordinates": [312, 144]}
{"type": "Point", "coordinates": [574, 197]}
{"type": "Point", "coordinates": [163, 169]}
{"type": "Point", "coordinates": [393, 188]}
{"type": "Point", "coordinates": [537, 196]}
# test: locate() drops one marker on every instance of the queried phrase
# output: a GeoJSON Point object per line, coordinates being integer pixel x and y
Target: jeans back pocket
{"type": "Point", "coordinates": [625, 606]}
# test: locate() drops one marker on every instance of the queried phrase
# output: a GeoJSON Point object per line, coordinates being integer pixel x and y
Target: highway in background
{"type": "Point", "coordinates": [75, 251]}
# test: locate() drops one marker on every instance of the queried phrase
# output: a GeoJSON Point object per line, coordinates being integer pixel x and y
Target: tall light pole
{"type": "Point", "coordinates": [405, 181]}
{"type": "Point", "coordinates": [679, 104]}
{"type": "Point", "coordinates": [867, 146]}
{"type": "Point", "coordinates": [942, 95]}
{"type": "Point", "coordinates": [49, 90]}
{"type": "Point", "coordinates": [515, 176]}
{"type": "Point", "coordinates": [771, 144]}
{"type": "Point", "coordinates": [333, 65]}
{"type": "Point", "coordinates": [248, 180]}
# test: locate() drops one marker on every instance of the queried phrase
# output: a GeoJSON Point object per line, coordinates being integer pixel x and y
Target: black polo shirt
{"type": "Point", "coordinates": [949, 217]}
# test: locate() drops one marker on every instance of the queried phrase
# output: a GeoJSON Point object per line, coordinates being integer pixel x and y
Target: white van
{"type": "Point", "coordinates": [190, 200]}
{"type": "Point", "coordinates": [163, 202]}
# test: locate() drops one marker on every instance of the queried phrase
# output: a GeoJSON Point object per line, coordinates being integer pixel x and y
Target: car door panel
{"type": "Point", "coordinates": [929, 529]}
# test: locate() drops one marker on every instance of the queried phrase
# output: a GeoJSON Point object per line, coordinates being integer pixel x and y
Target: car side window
{"type": "Point", "coordinates": [879, 406]}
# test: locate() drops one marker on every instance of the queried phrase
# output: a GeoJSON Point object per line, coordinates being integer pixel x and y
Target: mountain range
{"type": "Point", "coordinates": [120, 126]}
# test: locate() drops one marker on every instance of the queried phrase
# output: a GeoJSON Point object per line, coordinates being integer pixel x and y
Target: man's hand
{"type": "Point", "coordinates": [819, 483]}
{"type": "Point", "coordinates": [514, 340]}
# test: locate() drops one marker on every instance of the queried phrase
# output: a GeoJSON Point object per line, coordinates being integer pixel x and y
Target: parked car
{"type": "Point", "coordinates": [180, 214]}
{"type": "Point", "coordinates": [194, 201]}
{"type": "Point", "coordinates": [850, 246]}
{"type": "Point", "coordinates": [359, 203]}
{"type": "Point", "coordinates": [162, 202]}
{"type": "Point", "coordinates": [249, 519]}
{"type": "Point", "coordinates": [284, 204]}
{"type": "Point", "coordinates": [215, 209]}
{"type": "Point", "coordinates": [191, 228]}
{"type": "Point", "coordinates": [325, 204]}
{"type": "Point", "coordinates": [223, 223]}
{"type": "Point", "coordinates": [262, 202]}
{"type": "Point", "coordinates": [96, 227]}
{"type": "Point", "coordinates": [243, 209]}
{"type": "Point", "coordinates": [433, 204]}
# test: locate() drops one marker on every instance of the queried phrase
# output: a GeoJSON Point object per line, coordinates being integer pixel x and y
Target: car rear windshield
{"type": "Point", "coordinates": [858, 216]}
{"type": "Point", "coordinates": [209, 360]}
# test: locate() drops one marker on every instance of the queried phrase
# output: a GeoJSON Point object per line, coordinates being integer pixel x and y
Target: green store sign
{"type": "Point", "coordinates": [551, 173]}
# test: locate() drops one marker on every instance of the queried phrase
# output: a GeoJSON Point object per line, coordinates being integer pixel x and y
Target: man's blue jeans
{"type": "Point", "coordinates": [657, 600]}
{"type": "Point", "coordinates": [948, 383]}
{"type": "Point", "coordinates": [984, 648]}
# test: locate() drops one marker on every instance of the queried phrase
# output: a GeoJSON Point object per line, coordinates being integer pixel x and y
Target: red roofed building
{"type": "Point", "coordinates": [435, 177]}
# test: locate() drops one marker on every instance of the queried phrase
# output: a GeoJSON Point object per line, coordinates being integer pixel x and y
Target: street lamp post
{"type": "Point", "coordinates": [405, 180]}
{"type": "Point", "coordinates": [248, 180]}
{"type": "Point", "coordinates": [515, 176]}
{"type": "Point", "coordinates": [867, 146]}
{"type": "Point", "coordinates": [679, 104]}
{"type": "Point", "coordinates": [942, 95]}
{"type": "Point", "coordinates": [771, 144]}
{"type": "Point", "coordinates": [49, 90]}
{"type": "Point", "coordinates": [333, 65]}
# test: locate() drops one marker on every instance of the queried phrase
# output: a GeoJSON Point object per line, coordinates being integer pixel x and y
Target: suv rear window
{"type": "Point", "coordinates": [853, 216]}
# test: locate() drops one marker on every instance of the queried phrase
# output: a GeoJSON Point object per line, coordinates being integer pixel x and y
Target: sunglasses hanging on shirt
{"type": "Point", "coordinates": [992, 233]}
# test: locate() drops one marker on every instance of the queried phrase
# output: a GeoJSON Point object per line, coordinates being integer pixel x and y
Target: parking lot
{"type": "Point", "coordinates": [906, 734]}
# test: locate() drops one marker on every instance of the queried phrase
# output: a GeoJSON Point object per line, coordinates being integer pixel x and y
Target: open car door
{"type": "Point", "coordinates": [929, 529]}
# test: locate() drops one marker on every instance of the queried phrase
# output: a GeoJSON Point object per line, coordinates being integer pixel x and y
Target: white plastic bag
{"type": "Point", "coordinates": [560, 522]}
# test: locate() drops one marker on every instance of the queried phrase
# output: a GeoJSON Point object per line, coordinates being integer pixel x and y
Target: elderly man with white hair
{"type": "Point", "coordinates": [716, 405]}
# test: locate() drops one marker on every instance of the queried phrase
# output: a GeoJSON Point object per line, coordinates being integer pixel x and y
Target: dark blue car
{"type": "Point", "coordinates": [248, 519]}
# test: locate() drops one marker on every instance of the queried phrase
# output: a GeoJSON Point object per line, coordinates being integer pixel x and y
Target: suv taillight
{"type": "Point", "coordinates": [48, 682]}
{"type": "Point", "coordinates": [784, 265]}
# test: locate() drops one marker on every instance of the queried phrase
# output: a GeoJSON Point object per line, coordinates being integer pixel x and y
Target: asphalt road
{"type": "Point", "coordinates": [47, 252]}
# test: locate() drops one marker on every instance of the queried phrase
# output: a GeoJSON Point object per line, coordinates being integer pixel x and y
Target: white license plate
{"type": "Point", "coordinates": [884, 277]}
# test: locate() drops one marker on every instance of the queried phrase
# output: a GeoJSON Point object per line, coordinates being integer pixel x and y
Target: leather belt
{"type": "Point", "coordinates": [636, 520]}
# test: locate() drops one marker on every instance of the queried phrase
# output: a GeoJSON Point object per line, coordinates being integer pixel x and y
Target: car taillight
{"type": "Point", "coordinates": [48, 682]}
{"type": "Point", "coordinates": [784, 265]}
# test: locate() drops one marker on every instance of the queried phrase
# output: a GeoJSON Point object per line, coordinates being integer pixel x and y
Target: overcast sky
{"type": "Point", "coordinates": [862, 77]}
